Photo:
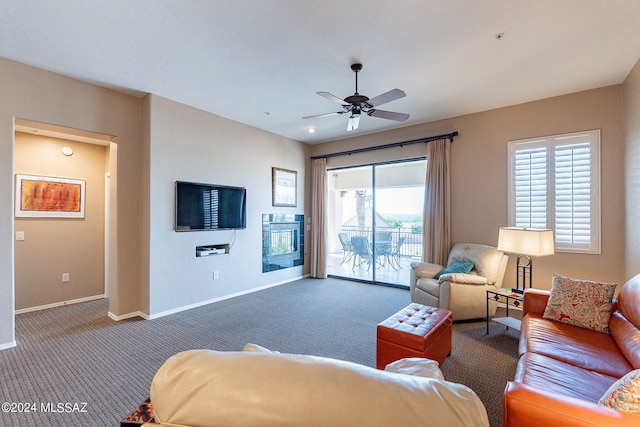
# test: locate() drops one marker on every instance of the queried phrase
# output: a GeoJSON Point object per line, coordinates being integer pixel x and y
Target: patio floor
{"type": "Point", "coordinates": [383, 274]}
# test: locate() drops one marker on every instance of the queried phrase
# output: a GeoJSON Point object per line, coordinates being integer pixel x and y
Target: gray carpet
{"type": "Point", "coordinates": [76, 354]}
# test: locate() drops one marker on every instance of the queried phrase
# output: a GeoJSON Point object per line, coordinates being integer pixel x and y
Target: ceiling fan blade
{"type": "Point", "coordinates": [398, 117]}
{"type": "Point", "coordinates": [353, 123]}
{"type": "Point", "coordinates": [324, 115]}
{"type": "Point", "coordinates": [333, 98]}
{"type": "Point", "coordinates": [392, 95]}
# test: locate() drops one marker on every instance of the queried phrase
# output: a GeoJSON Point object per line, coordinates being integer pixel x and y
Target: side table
{"type": "Point", "coordinates": [508, 297]}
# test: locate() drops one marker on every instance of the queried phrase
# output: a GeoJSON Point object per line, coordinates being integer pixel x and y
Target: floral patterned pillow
{"type": "Point", "coordinates": [624, 394]}
{"type": "Point", "coordinates": [580, 303]}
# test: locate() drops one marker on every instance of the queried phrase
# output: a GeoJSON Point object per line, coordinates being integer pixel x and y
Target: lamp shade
{"type": "Point", "coordinates": [526, 241]}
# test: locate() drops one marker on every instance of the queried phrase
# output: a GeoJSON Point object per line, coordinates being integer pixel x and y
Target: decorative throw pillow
{"type": "Point", "coordinates": [624, 394]}
{"type": "Point", "coordinates": [255, 348]}
{"type": "Point", "coordinates": [456, 267]}
{"type": "Point", "coordinates": [417, 367]}
{"type": "Point", "coordinates": [580, 303]}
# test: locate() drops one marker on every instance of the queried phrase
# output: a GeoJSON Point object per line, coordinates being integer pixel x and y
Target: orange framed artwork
{"type": "Point", "coordinates": [48, 197]}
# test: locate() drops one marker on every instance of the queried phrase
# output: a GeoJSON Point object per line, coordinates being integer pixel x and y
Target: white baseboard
{"type": "Point", "coordinates": [128, 316]}
{"type": "Point", "coordinates": [237, 294]}
{"type": "Point", "coordinates": [157, 315]}
{"type": "Point", "coordinates": [7, 345]}
{"type": "Point", "coordinates": [59, 304]}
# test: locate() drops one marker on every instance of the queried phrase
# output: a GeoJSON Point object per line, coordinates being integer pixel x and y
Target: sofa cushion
{"type": "Point", "coordinates": [584, 348]}
{"type": "Point", "coordinates": [467, 279]}
{"type": "Point", "coordinates": [486, 259]}
{"type": "Point", "coordinates": [560, 377]}
{"type": "Point", "coordinates": [624, 394]}
{"type": "Point", "coordinates": [582, 303]}
{"type": "Point", "coordinates": [628, 300]}
{"type": "Point", "coordinates": [627, 336]}
{"type": "Point", "coordinates": [203, 387]}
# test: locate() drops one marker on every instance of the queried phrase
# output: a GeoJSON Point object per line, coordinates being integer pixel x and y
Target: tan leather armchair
{"type": "Point", "coordinates": [462, 293]}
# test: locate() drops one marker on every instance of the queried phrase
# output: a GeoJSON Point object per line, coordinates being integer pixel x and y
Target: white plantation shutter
{"type": "Point", "coordinates": [554, 183]}
{"type": "Point", "coordinates": [531, 187]}
{"type": "Point", "coordinates": [573, 195]}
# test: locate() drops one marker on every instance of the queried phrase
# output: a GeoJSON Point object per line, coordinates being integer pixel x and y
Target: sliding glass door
{"type": "Point", "coordinates": [375, 221]}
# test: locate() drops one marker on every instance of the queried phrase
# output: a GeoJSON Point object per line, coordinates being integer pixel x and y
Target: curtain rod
{"type": "Point", "coordinates": [448, 136]}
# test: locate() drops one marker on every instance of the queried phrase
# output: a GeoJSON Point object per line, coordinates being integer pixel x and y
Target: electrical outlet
{"type": "Point", "coordinates": [216, 275]}
{"type": "Point", "coordinates": [19, 236]}
{"type": "Point", "coordinates": [65, 277]}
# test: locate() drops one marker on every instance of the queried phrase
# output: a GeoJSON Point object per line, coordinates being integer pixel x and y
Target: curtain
{"type": "Point", "coordinates": [436, 228]}
{"type": "Point", "coordinates": [319, 219]}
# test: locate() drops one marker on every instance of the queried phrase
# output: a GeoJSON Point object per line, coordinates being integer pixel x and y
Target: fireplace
{"type": "Point", "coordinates": [282, 241]}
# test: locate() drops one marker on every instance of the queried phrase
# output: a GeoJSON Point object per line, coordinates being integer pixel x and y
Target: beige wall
{"type": "Point", "coordinates": [479, 172]}
{"type": "Point", "coordinates": [632, 170]}
{"type": "Point", "coordinates": [154, 142]}
{"type": "Point", "coordinates": [36, 95]}
{"type": "Point", "coordinates": [157, 141]}
{"type": "Point", "coordinates": [53, 246]}
{"type": "Point", "coordinates": [188, 144]}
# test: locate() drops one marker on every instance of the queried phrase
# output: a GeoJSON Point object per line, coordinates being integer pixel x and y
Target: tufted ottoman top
{"type": "Point", "coordinates": [412, 326]}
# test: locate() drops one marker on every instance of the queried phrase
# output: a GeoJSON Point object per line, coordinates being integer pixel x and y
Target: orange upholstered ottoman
{"type": "Point", "coordinates": [415, 331]}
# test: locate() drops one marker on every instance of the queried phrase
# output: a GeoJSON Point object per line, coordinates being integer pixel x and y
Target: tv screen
{"type": "Point", "coordinates": [209, 207]}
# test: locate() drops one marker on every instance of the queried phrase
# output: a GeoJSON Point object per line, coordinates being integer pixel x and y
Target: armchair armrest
{"type": "Point", "coordinates": [467, 279]}
{"type": "Point", "coordinates": [535, 301]}
{"type": "Point", "coordinates": [525, 405]}
{"type": "Point", "coordinates": [425, 269]}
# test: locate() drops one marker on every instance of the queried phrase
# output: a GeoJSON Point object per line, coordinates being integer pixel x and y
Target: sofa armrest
{"type": "Point", "coordinates": [535, 301]}
{"type": "Point", "coordinates": [464, 279]}
{"type": "Point", "coordinates": [425, 269]}
{"type": "Point", "coordinates": [530, 406]}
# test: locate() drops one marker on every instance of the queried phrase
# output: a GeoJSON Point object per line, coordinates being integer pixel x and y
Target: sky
{"type": "Point", "coordinates": [390, 201]}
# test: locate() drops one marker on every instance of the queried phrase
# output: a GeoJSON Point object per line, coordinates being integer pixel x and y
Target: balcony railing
{"type": "Point", "coordinates": [411, 247]}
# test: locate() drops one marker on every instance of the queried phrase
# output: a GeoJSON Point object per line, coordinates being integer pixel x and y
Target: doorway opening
{"type": "Point", "coordinates": [375, 221]}
{"type": "Point", "coordinates": [61, 260]}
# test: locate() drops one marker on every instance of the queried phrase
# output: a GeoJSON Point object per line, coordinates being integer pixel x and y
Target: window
{"type": "Point", "coordinates": [554, 182]}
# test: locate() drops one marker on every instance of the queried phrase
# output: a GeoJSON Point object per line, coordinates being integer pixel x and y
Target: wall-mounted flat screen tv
{"type": "Point", "coordinates": [209, 207]}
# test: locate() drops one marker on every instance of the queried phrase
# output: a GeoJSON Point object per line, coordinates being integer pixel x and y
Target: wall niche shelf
{"type": "Point", "coordinates": [209, 250]}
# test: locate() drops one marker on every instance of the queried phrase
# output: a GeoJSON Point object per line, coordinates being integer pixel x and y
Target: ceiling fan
{"type": "Point", "coordinates": [357, 104]}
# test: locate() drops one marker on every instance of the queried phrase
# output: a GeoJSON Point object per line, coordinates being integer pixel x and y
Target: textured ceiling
{"type": "Point", "coordinates": [260, 62]}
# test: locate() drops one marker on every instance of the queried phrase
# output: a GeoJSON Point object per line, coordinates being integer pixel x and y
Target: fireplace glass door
{"type": "Point", "coordinates": [282, 241]}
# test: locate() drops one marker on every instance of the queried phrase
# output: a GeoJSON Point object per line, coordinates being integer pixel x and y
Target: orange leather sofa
{"type": "Point", "coordinates": [563, 370]}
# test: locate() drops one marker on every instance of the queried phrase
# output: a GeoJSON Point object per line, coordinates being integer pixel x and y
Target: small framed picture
{"type": "Point", "coordinates": [285, 187]}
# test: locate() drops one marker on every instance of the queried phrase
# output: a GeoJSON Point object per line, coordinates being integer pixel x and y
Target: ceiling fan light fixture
{"type": "Point", "coordinates": [356, 104]}
{"type": "Point", "coordinates": [354, 121]}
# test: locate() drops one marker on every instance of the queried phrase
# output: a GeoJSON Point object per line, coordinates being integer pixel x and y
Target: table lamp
{"type": "Point", "coordinates": [526, 243]}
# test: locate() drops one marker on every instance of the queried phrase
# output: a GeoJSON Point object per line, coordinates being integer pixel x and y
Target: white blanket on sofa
{"type": "Point", "coordinates": [200, 388]}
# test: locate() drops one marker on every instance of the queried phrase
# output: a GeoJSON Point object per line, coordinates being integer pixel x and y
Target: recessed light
{"type": "Point", "coordinates": [67, 151]}
{"type": "Point", "coordinates": [311, 130]}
